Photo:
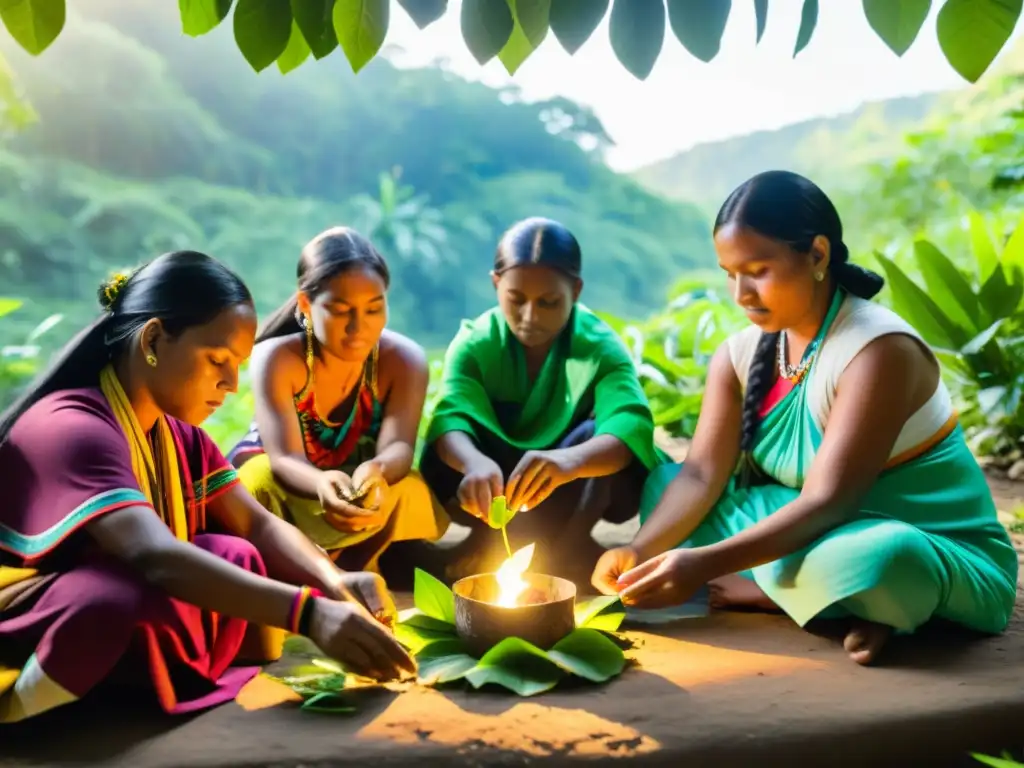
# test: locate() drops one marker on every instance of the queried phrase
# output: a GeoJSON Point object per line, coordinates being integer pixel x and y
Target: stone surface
{"type": "Point", "coordinates": [730, 689]}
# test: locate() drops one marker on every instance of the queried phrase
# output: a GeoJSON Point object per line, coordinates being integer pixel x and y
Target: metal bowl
{"type": "Point", "coordinates": [546, 615]}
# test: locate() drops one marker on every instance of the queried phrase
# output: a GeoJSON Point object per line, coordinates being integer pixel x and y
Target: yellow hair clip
{"type": "Point", "coordinates": [111, 289]}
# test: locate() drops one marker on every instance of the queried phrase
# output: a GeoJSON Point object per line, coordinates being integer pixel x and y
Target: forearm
{"type": "Point", "coordinates": [795, 526]}
{"type": "Point", "coordinates": [394, 461]}
{"type": "Point", "coordinates": [681, 509]}
{"type": "Point", "coordinates": [200, 578]}
{"type": "Point", "coordinates": [291, 557]}
{"type": "Point", "coordinates": [296, 474]}
{"type": "Point", "coordinates": [458, 451]}
{"type": "Point", "coordinates": [600, 456]}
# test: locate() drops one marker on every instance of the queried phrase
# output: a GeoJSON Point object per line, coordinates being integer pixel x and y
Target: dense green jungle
{"type": "Point", "coordinates": [141, 141]}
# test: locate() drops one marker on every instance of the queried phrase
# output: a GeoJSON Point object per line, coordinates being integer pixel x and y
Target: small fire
{"type": "Point", "coordinates": [510, 576]}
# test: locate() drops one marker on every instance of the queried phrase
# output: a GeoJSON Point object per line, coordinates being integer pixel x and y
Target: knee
{"type": "Point", "coordinates": [899, 553]}
{"type": "Point", "coordinates": [234, 549]}
{"type": "Point", "coordinates": [111, 594]}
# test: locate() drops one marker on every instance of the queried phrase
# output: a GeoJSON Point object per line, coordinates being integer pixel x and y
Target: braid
{"type": "Point", "coordinates": [759, 381]}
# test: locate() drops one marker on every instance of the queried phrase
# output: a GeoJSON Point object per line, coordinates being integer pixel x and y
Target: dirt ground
{"type": "Point", "coordinates": [725, 690]}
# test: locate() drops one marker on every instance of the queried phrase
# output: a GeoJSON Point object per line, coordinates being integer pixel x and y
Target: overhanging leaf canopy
{"type": "Point", "coordinates": [971, 32]}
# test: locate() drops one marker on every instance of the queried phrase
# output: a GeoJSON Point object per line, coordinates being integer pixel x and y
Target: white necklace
{"type": "Point", "coordinates": [794, 373]}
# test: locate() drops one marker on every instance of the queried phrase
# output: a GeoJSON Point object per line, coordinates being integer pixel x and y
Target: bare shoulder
{"type": "Point", "coordinates": [281, 360]}
{"type": "Point", "coordinates": [400, 353]}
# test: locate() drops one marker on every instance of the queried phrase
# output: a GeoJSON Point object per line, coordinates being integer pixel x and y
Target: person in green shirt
{"type": "Point", "coordinates": [539, 403]}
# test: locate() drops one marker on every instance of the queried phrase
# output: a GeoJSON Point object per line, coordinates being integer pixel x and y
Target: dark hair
{"type": "Point", "coordinates": [326, 256]}
{"type": "Point", "coordinates": [787, 207]}
{"type": "Point", "coordinates": [182, 289]}
{"type": "Point", "coordinates": [538, 241]}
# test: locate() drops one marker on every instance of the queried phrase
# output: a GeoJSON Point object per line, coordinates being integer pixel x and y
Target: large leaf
{"type": "Point", "coordinates": [417, 631]}
{"type": "Point", "coordinates": [947, 285]}
{"type": "Point", "coordinates": [444, 662]}
{"type": "Point", "coordinates": [530, 27]}
{"type": "Point", "coordinates": [361, 26]}
{"type": "Point", "coordinates": [588, 654]}
{"type": "Point", "coordinates": [699, 25]}
{"type": "Point", "coordinates": [915, 306]}
{"type": "Point", "coordinates": [316, 20]}
{"type": "Point", "coordinates": [637, 31]}
{"type": "Point", "coordinates": [296, 52]}
{"type": "Point", "coordinates": [262, 29]}
{"type": "Point", "coordinates": [34, 24]}
{"type": "Point", "coordinates": [517, 665]}
{"type": "Point", "coordinates": [433, 598]}
{"type": "Point", "coordinates": [979, 342]}
{"type": "Point", "coordinates": [201, 16]}
{"type": "Point", "coordinates": [424, 12]}
{"type": "Point", "coordinates": [999, 296]}
{"type": "Point", "coordinates": [972, 32]}
{"type": "Point", "coordinates": [604, 613]}
{"type": "Point", "coordinates": [897, 22]}
{"type": "Point", "coordinates": [808, 21]}
{"type": "Point", "coordinates": [574, 21]}
{"type": "Point", "coordinates": [1012, 258]}
{"type": "Point", "coordinates": [486, 27]}
{"type": "Point", "coordinates": [981, 243]}
{"type": "Point", "coordinates": [761, 17]}
{"type": "Point", "coordinates": [9, 305]}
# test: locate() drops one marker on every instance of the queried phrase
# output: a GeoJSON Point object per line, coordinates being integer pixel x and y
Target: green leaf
{"type": "Point", "coordinates": [328, 703]}
{"type": "Point", "coordinates": [486, 27]}
{"type": "Point", "coordinates": [433, 598]}
{"type": "Point", "coordinates": [638, 34]}
{"type": "Point", "coordinates": [43, 328]}
{"type": "Point", "coordinates": [499, 515]}
{"type": "Point", "coordinates": [262, 29]}
{"type": "Point", "coordinates": [574, 21]}
{"type": "Point", "coordinates": [530, 27]}
{"type": "Point", "coordinates": [916, 307]}
{"type": "Point", "coordinates": [604, 613]}
{"type": "Point", "coordinates": [808, 21]}
{"type": "Point", "coordinates": [947, 285]}
{"type": "Point", "coordinates": [296, 52]}
{"type": "Point", "coordinates": [444, 662]}
{"type": "Point", "coordinates": [972, 32]}
{"type": "Point", "coordinates": [361, 26]}
{"type": "Point", "coordinates": [999, 296]}
{"type": "Point", "coordinates": [979, 342]}
{"type": "Point", "coordinates": [588, 654]}
{"type": "Point", "coordinates": [316, 20]}
{"type": "Point", "coordinates": [761, 16]}
{"type": "Point", "coordinates": [424, 12]}
{"type": "Point", "coordinates": [1013, 253]}
{"type": "Point", "coordinates": [34, 24]}
{"type": "Point", "coordinates": [9, 305]}
{"type": "Point", "coordinates": [897, 22]}
{"type": "Point", "coordinates": [201, 16]}
{"type": "Point", "coordinates": [699, 25]}
{"type": "Point", "coordinates": [518, 666]}
{"type": "Point", "coordinates": [996, 762]}
{"type": "Point", "coordinates": [981, 243]}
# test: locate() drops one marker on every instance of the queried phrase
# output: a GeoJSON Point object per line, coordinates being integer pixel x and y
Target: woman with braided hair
{"type": "Point", "coordinates": [828, 476]}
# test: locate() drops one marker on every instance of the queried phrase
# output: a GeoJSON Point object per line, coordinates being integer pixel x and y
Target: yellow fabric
{"type": "Point", "coordinates": [8, 677]}
{"type": "Point", "coordinates": [10, 575]}
{"type": "Point", "coordinates": [412, 512]}
{"type": "Point", "coordinates": [159, 477]}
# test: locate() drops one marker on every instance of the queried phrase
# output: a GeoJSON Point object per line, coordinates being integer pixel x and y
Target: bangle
{"type": "Point", "coordinates": [298, 615]}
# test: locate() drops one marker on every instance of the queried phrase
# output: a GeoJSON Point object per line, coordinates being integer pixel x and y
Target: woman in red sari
{"type": "Point", "coordinates": [126, 541]}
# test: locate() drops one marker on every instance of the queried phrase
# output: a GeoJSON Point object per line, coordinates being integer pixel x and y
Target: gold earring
{"type": "Point", "coordinates": [819, 276]}
{"type": "Point", "coordinates": [308, 323]}
{"type": "Point", "coordinates": [151, 360]}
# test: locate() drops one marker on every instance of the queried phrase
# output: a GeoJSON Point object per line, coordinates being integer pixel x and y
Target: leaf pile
{"type": "Point", "coordinates": [428, 631]}
{"type": "Point", "coordinates": [321, 686]}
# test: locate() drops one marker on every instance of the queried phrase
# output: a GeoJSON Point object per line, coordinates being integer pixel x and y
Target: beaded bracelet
{"type": "Point", "coordinates": [298, 616]}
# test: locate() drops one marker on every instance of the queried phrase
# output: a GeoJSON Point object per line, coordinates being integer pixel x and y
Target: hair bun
{"type": "Point", "coordinates": [111, 288]}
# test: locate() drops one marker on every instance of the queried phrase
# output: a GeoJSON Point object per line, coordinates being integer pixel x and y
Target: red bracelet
{"type": "Point", "coordinates": [299, 605]}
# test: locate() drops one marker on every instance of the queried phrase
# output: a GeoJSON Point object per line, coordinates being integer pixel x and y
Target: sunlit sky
{"type": "Point", "coordinates": [685, 101]}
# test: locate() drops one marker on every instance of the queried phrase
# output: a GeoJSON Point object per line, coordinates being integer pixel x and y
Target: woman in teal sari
{"type": "Point", "coordinates": [539, 402]}
{"type": "Point", "coordinates": [856, 496]}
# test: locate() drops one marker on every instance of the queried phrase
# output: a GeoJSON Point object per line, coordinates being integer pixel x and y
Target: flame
{"type": "Point", "coordinates": [510, 576]}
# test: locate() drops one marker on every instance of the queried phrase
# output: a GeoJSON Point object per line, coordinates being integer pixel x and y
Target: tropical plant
{"type": "Point", "coordinates": [1006, 761]}
{"type": "Point", "coordinates": [20, 361]}
{"type": "Point", "coordinates": [974, 322]}
{"type": "Point", "coordinates": [970, 32]}
{"type": "Point", "coordinates": [428, 631]}
{"type": "Point", "coordinates": [672, 349]}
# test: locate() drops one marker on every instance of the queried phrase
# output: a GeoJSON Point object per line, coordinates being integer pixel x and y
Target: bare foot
{"type": "Point", "coordinates": [864, 640]}
{"type": "Point", "coordinates": [734, 591]}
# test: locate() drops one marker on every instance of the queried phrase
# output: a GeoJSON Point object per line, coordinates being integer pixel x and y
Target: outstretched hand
{"type": "Point", "coordinates": [664, 581]}
{"type": "Point", "coordinates": [537, 475]}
